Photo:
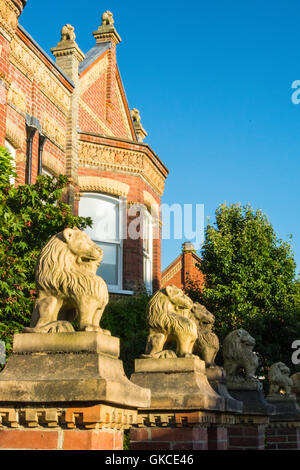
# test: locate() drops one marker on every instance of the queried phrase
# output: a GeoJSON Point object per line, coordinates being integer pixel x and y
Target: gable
{"type": "Point", "coordinates": [103, 107]}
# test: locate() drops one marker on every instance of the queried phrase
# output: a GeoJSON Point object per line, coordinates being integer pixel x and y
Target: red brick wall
{"type": "Point", "coordinates": [246, 437]}
{"type": "Point", "coordinates": [168, 439]}
{"type": "Point", "coordinates": [187, 271]}
{"type": "Point", "coordinates": [37, 105]}
{"type": "Point", "coordinates": [283, 438]}
{"type": "Point", "coordinates": [60, 439]}
{"type": "Point", "coordinates": [4, 66]}
{"type": "Point", "coordinates": [102, 99]}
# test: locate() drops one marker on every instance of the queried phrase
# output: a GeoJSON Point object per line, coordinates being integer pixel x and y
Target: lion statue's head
{"type": "Point", "coordinates": [107, 18]}
{"type": "Point", "coordinates": [240, 362]}
{"type": "Point", "coordinates": [69, 261]}
{"type": "Point", "coordinates": [207, 344]}
{"type": "Point", "coordinates": [237, 344]}
{"type": "Point", "coordinates": [168, 300]}
{"type": "Point", "coordinates": [279, 379]}
{"type": "Point", "coordinates": [67, 33]}
{"type": "Point", "coordinates": [202, 316]}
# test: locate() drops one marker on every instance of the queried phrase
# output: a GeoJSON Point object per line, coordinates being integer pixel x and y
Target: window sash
{"type": "Point", "coordinates": [109, 242]}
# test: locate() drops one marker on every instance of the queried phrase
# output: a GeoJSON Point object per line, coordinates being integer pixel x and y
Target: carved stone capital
{"type": "Point", "coordinates": [10, 10]}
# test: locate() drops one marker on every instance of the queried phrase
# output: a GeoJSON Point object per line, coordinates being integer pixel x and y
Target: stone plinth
{"type": "Point", "coordinates": [177, 383]}
{"type": "Point", "coordinates": [67, 391]}
{"type": "Point", "coordinates": [286, 408]}
{"type": "Point", "coordinates": [217, 379]}
{"type": "Point", "coordinates": [68, 367]}
{"type": "Point", "coordinates": [250, 393]}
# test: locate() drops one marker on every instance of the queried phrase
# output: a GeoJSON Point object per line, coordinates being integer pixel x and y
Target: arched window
{"type": "Point", "coordinates": [107, 215]}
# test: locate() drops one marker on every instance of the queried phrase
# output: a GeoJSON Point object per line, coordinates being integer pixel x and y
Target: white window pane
{"type": "Point", "coordinates": [148, 274]}
{"type": "Point", "coordinates": [108, 268]}
{"type": "Point", "coordinates": [105, 215]}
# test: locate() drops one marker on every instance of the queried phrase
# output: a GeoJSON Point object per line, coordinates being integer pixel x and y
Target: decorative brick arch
{"type": "Point", "coordinates": [103, 185]}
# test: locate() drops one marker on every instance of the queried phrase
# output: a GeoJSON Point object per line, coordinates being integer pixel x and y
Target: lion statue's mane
{"type": "Point", "coordinates": [67, 284]}
{"type": "Point", "coordinates": [279, 379]}
{"type": "Point", "coordinates": [238, 356]}
{"type": "Point", "coordinates": [169, 319]}
{"type": "Point", "coordinates": [207, 344]}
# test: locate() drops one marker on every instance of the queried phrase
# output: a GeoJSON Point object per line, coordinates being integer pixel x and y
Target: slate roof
{"type": "Point", "coordinates": [93, 54]}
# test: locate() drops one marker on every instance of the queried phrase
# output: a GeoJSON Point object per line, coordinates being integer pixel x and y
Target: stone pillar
{"type": "Point", "coordinates": [67, 391]}
{"type": "Point", "coordinates": [68, 57]}
{"type": "Point", "coordinates": [185, 412]}
{"type": "Point", "coordinates": [107, 33]}
{"type": "Point", "coordinates": [10, 10]}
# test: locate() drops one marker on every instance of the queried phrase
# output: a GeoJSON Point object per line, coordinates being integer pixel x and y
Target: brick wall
{"type": "Point", "coordinates": [61, 439]}
{"type": "Point", "coordinates": [246, 437]}
{"type": "Point", "coordinates": [168, 439]}
{"type": "Point", "coordinates": [283, 438]}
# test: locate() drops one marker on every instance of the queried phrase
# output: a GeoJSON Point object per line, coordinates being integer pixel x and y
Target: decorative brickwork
{"type": "Point", "coordinates": [80, 124]}
{"type": "Point", "coordinates": [183, 269]}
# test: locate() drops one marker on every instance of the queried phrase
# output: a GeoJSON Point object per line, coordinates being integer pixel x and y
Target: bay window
{"type": "Point", "coordinates": [107, 215]}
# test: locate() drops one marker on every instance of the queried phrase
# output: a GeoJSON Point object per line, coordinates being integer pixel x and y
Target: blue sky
{"type": "Point", "coordinates": [212, 81]}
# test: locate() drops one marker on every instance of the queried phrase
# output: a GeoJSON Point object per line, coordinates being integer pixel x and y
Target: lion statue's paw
{"type": "Point", "coordinates": [53, 327]}
{"type": "Point", "coordinates": [167, 354]}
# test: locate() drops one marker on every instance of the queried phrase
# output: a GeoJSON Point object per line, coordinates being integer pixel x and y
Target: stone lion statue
{"type": "Point", "coordinates": [107, 18]}
{"type": "Point", "coordinates": [67, 33]}
{"type": "Point", "coordinates": [68, 286]}
{"type": "Point", "coordinates": [169, 319]}
{"type": "Point", "coordinates": [240, 362]}
{"type": "Point", "coordinates": [135, 115]}
{"type": "Point", "coordinates": [207, 343]}
{"type": "Point", "coordinates": [279, 380]}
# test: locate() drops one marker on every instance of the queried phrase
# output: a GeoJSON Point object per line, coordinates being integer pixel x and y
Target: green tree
{"type": "Point", "coordinates": [250, 280]}
{"type": "Point", "coordinates": [126, 319]}
{"type": "Point", "coordinates": [29, 216]}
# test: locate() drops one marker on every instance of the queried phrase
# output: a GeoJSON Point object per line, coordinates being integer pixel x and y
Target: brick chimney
{"type": "Point", "coordinates": [188, 250]}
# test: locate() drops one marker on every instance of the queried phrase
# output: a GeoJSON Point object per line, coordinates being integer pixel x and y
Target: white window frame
{"type": "Point", "coordinates": [46, 172]}
{"type": "Point", "coordinates": [12, 151]}
{"type": "Point", "coordinates": [120, 201]}
{"type": "Point", "coordinates": [148, 255]}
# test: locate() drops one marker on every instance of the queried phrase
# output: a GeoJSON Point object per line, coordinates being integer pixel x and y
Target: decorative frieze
{"type": "Point", "coordinates": [9, 14]}
{"type": "Point", "coordinates": [123, 160]}
{"type": "Point", "coordinates": [172, 272]}
{"type": "Point", "coordinates": [53, 164]}
{"type": "Point", "coordinates": [31, 66]}
{"type": "Point", "coordinates": [17, 98]}
{"type": "Point", "coordinates": [14, 134]}
{"type": "Point", "coordinates": [82, 417]}
{"type": "Point", "coordinates": [53, 130]}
